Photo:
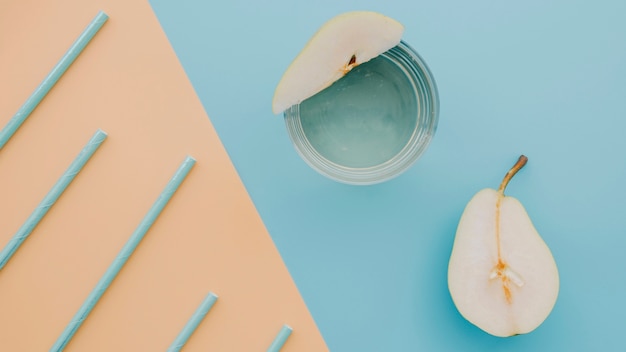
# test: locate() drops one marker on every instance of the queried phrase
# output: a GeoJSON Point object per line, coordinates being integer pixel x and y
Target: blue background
{"type": "Point", "coordinates": [543, 78]}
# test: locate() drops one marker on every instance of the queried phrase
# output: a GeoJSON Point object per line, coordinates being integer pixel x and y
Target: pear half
{"type": "Point", "coordinates": [502, 276]}
{"type": "Point", "coordinates": [339, 45]}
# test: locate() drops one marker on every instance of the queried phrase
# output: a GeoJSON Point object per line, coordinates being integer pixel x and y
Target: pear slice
{"type": "Point", "coordinates": [339, 45]}
{"type": "Point", "coordinates": [501, 276]}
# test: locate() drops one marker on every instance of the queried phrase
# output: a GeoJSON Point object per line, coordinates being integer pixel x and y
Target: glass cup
{"type": "Point", "coordinates": [372, 124]}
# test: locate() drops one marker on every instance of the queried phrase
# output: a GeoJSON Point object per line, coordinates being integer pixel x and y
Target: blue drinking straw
{"type": "Point", "coordinates": [52, 196]}
{"type": "Point", "coordinates": [124, 254]}
{"type": "Point", "coordinates": [193, 323]}
{"type": "Point", "coordinates": [51, 79]}
{"type": "Point", "coordinates": [280, 339]}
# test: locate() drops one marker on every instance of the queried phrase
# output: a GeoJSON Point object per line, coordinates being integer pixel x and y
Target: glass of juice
{"type": "Point", "coordinates": [372, 124]}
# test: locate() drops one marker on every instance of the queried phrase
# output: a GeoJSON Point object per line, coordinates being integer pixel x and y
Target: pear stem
{"type": "Point", "coordinates": [509, 175]}
{"type": "Point", "coordinates": [501, 269]}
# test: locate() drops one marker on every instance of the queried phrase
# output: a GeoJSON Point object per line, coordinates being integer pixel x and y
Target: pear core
{"type": "Point", "coordinates": [342, 43]}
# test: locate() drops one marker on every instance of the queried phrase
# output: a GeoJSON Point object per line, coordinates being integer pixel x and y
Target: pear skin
{"type": "Point", "coordinates": [502, 276]}
{"type": "Point", "coordinates": [341, 44]}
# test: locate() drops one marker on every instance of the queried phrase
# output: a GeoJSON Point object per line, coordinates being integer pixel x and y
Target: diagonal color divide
{"type": "Point", "coordinates": [29, 225]}
{"type": "Point", "coordinates": [124, 254]}
{"type": "Point", "coordinates": [51, 79]}
{"type": "Point", "coordinates": [139, 92]}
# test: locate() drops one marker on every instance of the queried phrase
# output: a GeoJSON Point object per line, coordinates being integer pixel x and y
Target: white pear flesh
{"type": "Point", "coordinates": [502, 276]}
{"type": "Point", "coordinates": [340, 44]}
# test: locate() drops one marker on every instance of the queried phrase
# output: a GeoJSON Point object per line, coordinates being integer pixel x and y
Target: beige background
{"type": "Point", "coordinates": [129, 83]}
